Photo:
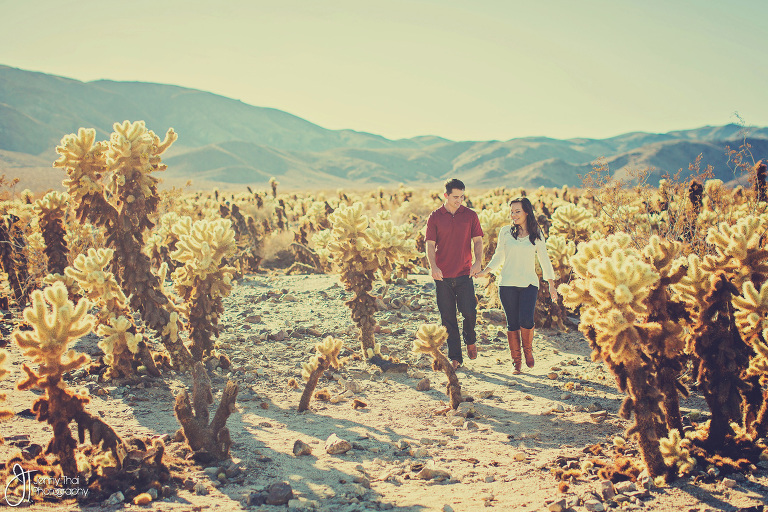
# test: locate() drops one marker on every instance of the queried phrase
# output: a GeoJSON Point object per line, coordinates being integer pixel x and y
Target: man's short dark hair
{"type": "Point", "coordinates": [453, 184]}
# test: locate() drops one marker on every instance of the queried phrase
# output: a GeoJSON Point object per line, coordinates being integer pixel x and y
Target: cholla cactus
{"type": "Point", "coordinates": [162, 241]}
{"type": "Point", "coordinates": [710, 289]}
{"type": "Point", "coordinates": [120, 340]}
{"type": "Point", "coordinates": [391, 245]}
{"type": "Point", "coordinates": [429, 339]}
{"type": "Point", "coordinates": [320, 240]}
{"type": "Point", "coordinates": [674, 448]}
{"type": "Point", "coordinates": [50, 210]}
{"type": "Point", "coordinates": [56, 323]}
{"type": "Point", "coordinates": [113, 187]}
{"type": "Point", "coordinates": [8, 261]}
{"type": "Point", "coordinates": [613, 285]}
{"type": "Point", "coordinates": [204, 280]}
{"type": "Point", "coordinates": [492, 221]}
{"type": "Point", "coordinates": [327, 356]}
{"type": "Point", "coordinates": [573, 222]}
{"type": "Point", "coordinates": [352, 252]}
{"type": "Point", "coordinates": [208, 440]}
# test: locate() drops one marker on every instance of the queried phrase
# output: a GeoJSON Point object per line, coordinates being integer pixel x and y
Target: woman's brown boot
{"type": "Point", "coordinates": [513, 337]}
{"type": "Point", "coordinates": [527, 336]}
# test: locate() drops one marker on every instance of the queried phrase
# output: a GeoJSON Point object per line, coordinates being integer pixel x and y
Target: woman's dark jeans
{"type": "Point", "coordinates": [453, 293]}
{"type": "Point", "coordinates": [519, 305]}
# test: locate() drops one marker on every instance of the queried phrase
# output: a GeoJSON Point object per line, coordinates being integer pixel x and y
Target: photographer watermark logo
{"type": "Point", "coordinates": [23, 485]}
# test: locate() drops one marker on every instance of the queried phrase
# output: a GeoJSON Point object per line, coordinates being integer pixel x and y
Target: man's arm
{"type": "Point", "coordinates": [477, 247]}
{"type": "Point", "coordinates": [437, 274]}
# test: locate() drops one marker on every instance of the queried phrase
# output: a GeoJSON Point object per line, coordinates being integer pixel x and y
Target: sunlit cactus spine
{"type": "Point", "coordinates": [326, 356]}
{"type": "Point", "coordinates": [111, 184]}
{"type": "Point", "coordinates": [51, 210]}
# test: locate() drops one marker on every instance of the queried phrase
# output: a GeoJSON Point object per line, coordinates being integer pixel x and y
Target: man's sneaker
{"type": "Point", "coordinates": [455, 364]}
{"type": "Point", "coordinates": [472, 351]}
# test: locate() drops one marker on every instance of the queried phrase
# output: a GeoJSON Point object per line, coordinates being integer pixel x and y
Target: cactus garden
{"type": "Point", "coordinates": [269, 350]}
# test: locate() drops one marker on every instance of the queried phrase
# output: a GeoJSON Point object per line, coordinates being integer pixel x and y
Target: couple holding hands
{"type": "Point", "coordinates": [453, 234]}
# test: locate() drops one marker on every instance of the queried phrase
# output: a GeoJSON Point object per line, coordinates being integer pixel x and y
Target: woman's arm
{"type": "Point", "coordinates": [546, 267]}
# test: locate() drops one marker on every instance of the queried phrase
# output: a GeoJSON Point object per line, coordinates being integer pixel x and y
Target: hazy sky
{"type": "Point", "coordinates": [465, 70]}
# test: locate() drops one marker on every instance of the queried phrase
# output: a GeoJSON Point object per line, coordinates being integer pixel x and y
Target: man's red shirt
{"type": "Point", "coordinates": [453, 236]}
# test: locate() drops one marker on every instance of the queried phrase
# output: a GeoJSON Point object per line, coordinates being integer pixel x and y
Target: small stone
{"type": "Point", "coordinates": [433, 474]}
{"type": "Point", "coordinates": [418, 374]}
{"type": "Point", "coordinates": [423, 385]}
{"type": "Point", "coordinates": [353, 386]}
{"type": "Point", "coordinates": [625, 487]}
{"type": "Point", "coordinates": [403, 444]}
{"type": "Point", "coordinates": [115, 498]}
{"type": "Point", "coordinates": [301, 448]}
{"type": "Point", "coordinates": [489, 479]}
{"type": "Point", "coordinates": [471, 425]}
{"type": "Point", "coordinates": [552, 375]}
{"type": "Point", "coordinates": [253, 319]}
{"type": "Point", "coordinates": [334, 445]}
{"type": "Point", "coordinates": [519, 456]}
{"type": "Point", "coordinates": [488, 393]}
{"type": "Point", "coordinates": [594, 505]}
{"type": "Point", "coordinates": [447, 508]}
{"type": "Point", "coordinates": [201, 489]}
{"type": "Point", "coordinates": [255, 499]}
{"type": "Point", "coordinates": [729, 483]}
{"type": "Point", "coordinates": [426, 441]}
{"type": "Point", "coordinates": [606, 490]}
{"type": "Point", "coordinates": [279, 493]}
{"type": "Point", "coordinates": [465, 408]}
{"type": "Point", "coordinates": [142, 499]}
{"type": "Point", "coordinates": [363, 481]}
{"type": "Point", "coordinates": [558, 506]}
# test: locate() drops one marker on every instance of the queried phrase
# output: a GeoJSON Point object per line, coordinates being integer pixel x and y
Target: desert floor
{"type": "Point", "coordinates": [518, 427]}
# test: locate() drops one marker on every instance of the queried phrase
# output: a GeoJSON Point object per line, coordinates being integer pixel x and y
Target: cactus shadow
{"type": "Point", "coordinates": [312, 476]}
{"type": "Point", "coordinates": [708, 498]}
{"type": "Point", "coordinates": [263, 440]}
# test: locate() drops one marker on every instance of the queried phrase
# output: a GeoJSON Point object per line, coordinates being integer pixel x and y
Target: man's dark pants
{"type": "Point", "coordinates": [453, 293]}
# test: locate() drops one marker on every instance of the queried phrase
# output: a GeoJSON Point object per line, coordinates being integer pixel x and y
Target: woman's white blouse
{"type": "Point", "coordinates": [516, 259]}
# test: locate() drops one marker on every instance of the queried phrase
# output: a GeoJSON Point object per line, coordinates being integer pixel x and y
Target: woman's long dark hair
{"type": "Point", "coordinates": [534, 231]}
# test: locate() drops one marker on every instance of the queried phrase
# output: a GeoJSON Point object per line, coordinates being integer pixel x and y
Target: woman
{"type": "Point", "coordinates": [516, 249]}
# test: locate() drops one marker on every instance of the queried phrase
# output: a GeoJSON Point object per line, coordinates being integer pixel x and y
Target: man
{"type": "Point", "coordinates": [453, 234]}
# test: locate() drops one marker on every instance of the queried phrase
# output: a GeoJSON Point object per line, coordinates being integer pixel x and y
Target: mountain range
{"type": "Point", "coordinates": [226, 143]}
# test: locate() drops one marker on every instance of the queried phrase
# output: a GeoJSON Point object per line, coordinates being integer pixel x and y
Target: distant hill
{"type": "Point", "coordinates": [227, 143]}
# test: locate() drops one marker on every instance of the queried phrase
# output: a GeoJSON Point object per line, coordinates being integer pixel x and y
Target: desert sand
{"type": "Point", "coordinates": [496, 451]}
